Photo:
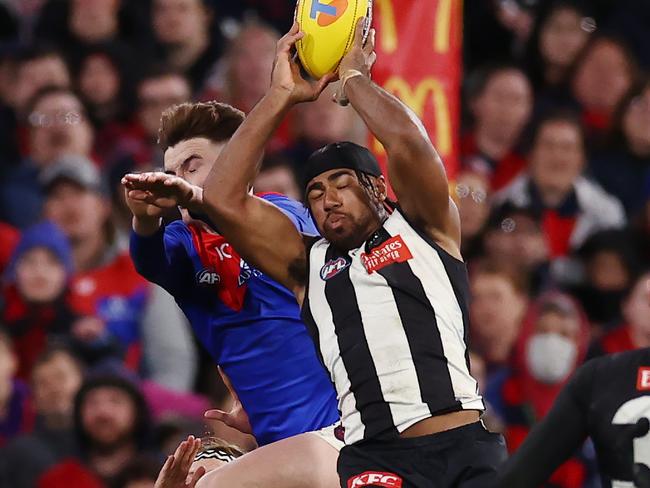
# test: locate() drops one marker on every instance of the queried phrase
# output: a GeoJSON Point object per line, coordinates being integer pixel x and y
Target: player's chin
{"type": "Point", "coordinates": [342, 237]}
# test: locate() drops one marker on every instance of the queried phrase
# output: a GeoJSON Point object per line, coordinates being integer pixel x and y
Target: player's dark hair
{"type": "Point", "coordinates": [212, 120]}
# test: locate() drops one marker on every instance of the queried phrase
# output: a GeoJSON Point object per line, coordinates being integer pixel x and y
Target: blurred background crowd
{"type": "Point", "coordinates": [100, 375]}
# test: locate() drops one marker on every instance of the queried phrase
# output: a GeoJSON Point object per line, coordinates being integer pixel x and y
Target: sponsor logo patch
{"type": "Point", "coordinates": [394, 250]}
{"type": "Point", "coordinates": [643, 379]}
{"type": "Point", "coordinates": [333, 267]}
{"type": "Point", "coordinates": [207, 277]}
{"type": "Point", "coordinates": [375, 478]}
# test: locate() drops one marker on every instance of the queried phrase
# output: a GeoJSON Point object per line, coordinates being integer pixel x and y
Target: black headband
{"type": "Point", "coordinates": [341, 155]}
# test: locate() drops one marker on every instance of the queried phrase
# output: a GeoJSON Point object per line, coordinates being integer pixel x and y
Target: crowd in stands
{"type": "Point", "coordinates": [100, 376]}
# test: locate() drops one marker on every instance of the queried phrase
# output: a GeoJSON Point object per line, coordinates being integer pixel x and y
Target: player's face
{"type": "Point", "coordinates": [343, 209]}
{"type": "Point", "coordinates": [192, 159]}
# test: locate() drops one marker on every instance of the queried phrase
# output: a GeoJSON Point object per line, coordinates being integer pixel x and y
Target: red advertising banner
{"type": "Point", "coordinates": [419, 59]}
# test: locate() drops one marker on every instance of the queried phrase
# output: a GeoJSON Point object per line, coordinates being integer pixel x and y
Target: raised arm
{"type": "Point", "coordinates": [415, 170]}
{"type": "Point", "coordinates": [260, 232]}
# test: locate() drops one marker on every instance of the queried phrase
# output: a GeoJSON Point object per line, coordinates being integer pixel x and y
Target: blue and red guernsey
{"type": "Point", "coordinates": [249, 323]}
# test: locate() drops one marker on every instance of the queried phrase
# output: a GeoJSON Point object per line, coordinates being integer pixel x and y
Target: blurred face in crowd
{"type": "Point", "coordinates": [55, 384]}
{"type": "Point", "coordinates": [504, 106]}
{"type": "Point", "coordinates": [518, 239]}
{"type": "Point", "coordinates": [58, 127]}
{"type": "Point", "coordinates": [8, 366]}
{"type": "Point", "coordinates": [562, 37]}
{"type": "Point", "coordinates": [79, 212]}
{"type": "Point", "coordinates": [155, 95]}
{"type": "Point", "coordinates": [99, 80]}
{"type": "Point", "coordinates": [607, 272]}
{"type": "Point", "coordinates": [322, 122]}
{"type": "Point", "coordinates": [33, 75]}
{"type": "Point", "coordinates": [279, 179]}
{"type": "Point", "coordinates": [636, 124]}
{"type": "Point", "coordinates": [108, 416]}
{"type": "Point", "coordinates": [250, 60]}
{"type": "Point", "coordinates": [472, 190]}
{"type": "Point", "coordinates": [497, 309]}
{"type": "Point", "coordinates": [557, 158]}
{"type": "Point", "coordinates": [94, 20]}
{"type": "Point", "coordinates": [40, 276]}
{"type": "Point", "coordinates": [176, 22]}
{"type": "Point", "coordinates": [636, 308]}
{"type": "Point", "coordinates": [552, 322]}
{"type": "Point", "coordinates": [603, 77]}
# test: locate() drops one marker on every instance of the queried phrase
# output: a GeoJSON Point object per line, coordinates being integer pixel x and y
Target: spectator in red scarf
{"type": "Point", "coordinates": [500, 102]}
{"type": "Point", "coordinates": [634, 332]}
{"type": "Point", "coordinates": [16, 414]}
{"type": "Point", "coordinates": [552, 344]}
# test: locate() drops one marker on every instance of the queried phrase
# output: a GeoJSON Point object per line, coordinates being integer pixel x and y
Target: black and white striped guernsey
{"type": "Point", "coordinates": [390, 320]}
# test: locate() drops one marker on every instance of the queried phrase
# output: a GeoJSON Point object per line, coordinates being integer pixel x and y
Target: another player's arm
{"type": "Point", "coordinates": [260, 232]}
{"type": "Point", "coordinates": [415, 170]}
{"type": "Point", "coordinates": [553, 440]}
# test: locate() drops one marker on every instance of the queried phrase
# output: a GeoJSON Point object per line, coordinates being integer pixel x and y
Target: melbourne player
{"type": "Point", "coordinates": [249, 323]}
{"type": "Point", "coordinates": [607, 399]}
{"type": "Point", "coordinates": [384, 293]}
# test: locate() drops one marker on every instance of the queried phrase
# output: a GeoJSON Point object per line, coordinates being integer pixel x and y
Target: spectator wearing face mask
{"type": "Point", "coordinates": [553, 343]}
{"type": "Point", "coordinates": [634, 331]}
{"type": "Point", "coordinates": [500, 102]}
{"type": "Point", "coordinates": [55, 380]}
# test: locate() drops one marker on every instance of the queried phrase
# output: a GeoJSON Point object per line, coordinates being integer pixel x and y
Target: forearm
{"type": "Point", "coordinates": [389, 119]}
{"type": "Point", "coordinates": [238, 164]}
{"type": "Point", "coordinates": [146, 226]}
{"type": "Point", "coordinates": [148, 255]}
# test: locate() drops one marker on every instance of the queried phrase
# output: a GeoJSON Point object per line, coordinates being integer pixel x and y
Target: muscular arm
{"type": "Point", "coordinates": [260, 232]}
{"type": "Point", "coordinates": [414, 167]}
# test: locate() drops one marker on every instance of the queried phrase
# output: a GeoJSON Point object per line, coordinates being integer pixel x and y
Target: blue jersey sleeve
{"type": "Point", "coordinates": [296, 211]}
{"type": "Point", "coordinates": [162, 257]}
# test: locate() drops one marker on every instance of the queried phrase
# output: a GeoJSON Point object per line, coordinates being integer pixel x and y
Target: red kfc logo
{"type": "Point", "coordinates": [375, 478]}
{"type": "Point", "coordinates": [643, 379]}
{"type": "Point", "coordinates": [394, 250]}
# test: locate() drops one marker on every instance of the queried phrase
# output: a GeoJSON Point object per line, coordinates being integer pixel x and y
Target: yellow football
{"type": "Point", "coordinates": [329, 32]}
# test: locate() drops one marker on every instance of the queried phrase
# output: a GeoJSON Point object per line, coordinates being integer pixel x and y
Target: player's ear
{"type": "Point", "coordinates": [380, 188]}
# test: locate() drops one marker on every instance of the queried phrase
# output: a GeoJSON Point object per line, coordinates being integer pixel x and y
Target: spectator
{"type": "Point", "coordinates": [498, 305]}
{"type": "Point", "coordinates": [277, 176]}
{"type": "Point", "coordinates": [58, 126]}
{"type": "Point", "coordinates": [514, 237]}
{"type": "Point", "coordinates": [144, 319]}
{"type": "Point", "coordinates": [634, 332]}
{"type": "Point", "coordinates": [16, 415]}
{"type": "Point", "coordinates": [138, 147]}
{"type": "Point", "coordinates": [56, 378]}
{"type": "Point", "coordinates": [9, 236]}
{"type": "Point", "coordinates": [560, 34]}
{"type": "Point", "coordinates": [472, 197]}
{"type": "Point", "coordinates": [624, 168]}
{"type": "Point", "coordinates": [246, 71]}
{"type": "Point", "coordinates": [104, 83]}
{"type": "Point", "coordinates": [141, 472]}
{"type": "Point", "coordinates": [610, 264]}
{"type": "Point", "coordinates": [183, 30]}
{"type": "Point", "coordinates": [571, 207]}
{"type": "Point", "coordinates": [553, 343]}
{"type": "Point", "coordinates": [501, 103]}
{"type": "Point", "coordinates": [603, 74]}
{"type": "Point", "coordinates": [112, 426]}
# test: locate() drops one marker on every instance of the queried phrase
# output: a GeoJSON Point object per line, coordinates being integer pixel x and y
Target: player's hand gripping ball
{"type": "Point", "coordinates": [329, 27]}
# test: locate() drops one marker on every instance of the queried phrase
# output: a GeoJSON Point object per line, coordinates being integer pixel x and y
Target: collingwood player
{"type": "Point", "coordinates": [607, 399]}
{"type": "Point", "coordinates": [384, 293]}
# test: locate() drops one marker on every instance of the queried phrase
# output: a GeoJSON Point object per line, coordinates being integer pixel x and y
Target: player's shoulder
{"type": "Point", "coordinates": [607, 369]}
{"type": "Point", "coordinates": [280, 200]}
{"type": "Point", "coordinates": [294, 209]}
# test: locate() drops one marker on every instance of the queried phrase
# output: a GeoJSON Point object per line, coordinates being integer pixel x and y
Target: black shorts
{"type": "Point", "coordinates": [465, 457]}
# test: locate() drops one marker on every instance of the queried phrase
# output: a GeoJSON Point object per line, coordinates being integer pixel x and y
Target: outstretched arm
{"type": "Point", "coordinates": [260, 232]}
{"type": "Point", "coordinates": [415, 170]}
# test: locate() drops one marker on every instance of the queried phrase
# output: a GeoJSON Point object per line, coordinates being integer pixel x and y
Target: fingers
{"type": "Point", "coordinates": [369, 47]}
{"type": "Point", "coordinates": [358, 33]}
{"type": "Point", "coordinates": [140, 195]}
{"type": "Point", "coordinates": [216, 414]}
{"type": "Point", "coordinates": [289, 39]}
{"type": "Point", "coordinates": [324, 81]}
{"type": "Point", "coordinates": [198, 474]}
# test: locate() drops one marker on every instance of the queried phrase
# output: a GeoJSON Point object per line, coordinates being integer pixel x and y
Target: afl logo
{"type": "Point", "coordinates": [206, 277]}
{"type": "Point", "coordinates": [327, 13]}
{"type": "Point", "coordinates": [333, 267]}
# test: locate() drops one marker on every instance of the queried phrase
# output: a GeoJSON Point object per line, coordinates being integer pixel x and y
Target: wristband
{"type": "Point", "coordinates": [341, 99]}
